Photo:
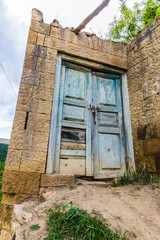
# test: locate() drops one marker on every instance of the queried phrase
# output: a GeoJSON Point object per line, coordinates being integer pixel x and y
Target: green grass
{"type": "Point", "coordinates": [34, 227]}
{"type": "Point", "coordinates": [73, 223]}
{"type": "Point", "coordinates": [143, 178]}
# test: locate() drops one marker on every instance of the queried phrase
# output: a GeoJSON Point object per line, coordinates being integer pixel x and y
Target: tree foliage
{"type": "Point", "coordinates": [131, 21]}
{"type": "Point", "coordinates": [3, 150]}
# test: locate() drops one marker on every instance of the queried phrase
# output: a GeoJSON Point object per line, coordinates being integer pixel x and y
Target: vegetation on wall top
{"type": "Point", "coordinates": [131, 21]}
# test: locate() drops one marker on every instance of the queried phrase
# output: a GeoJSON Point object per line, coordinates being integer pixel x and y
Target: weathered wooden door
{"type": "Point", "coordinates": [89, 134]}
{"type": "Point", "coordinates": [108, 134]}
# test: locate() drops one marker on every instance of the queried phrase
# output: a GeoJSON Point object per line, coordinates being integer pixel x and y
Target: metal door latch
{"type": "Point", "coordinates": [93, 109]}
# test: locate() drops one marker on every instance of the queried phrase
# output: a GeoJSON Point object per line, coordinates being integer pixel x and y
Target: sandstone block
{"type": "Point", "coordinates": [19, 120]}
{"type": "Point", "coordinates": [54, 31]}
{"type": "Point", "coordinates": [51, 53]}
{"type": "Point", "coordinates": [55, 180]}
{"type": "Point", "coordinates": [13, 160]}
{"type": "Point", "coordinates": [30, 62]}
{"type": "Point", "coordinates": [5, 235]}
{"type": "Point", "coordinates": [118, 49]}
{"type": "Point", "coordinates": [40, 140]}
{"type": "Point", "coordinates": [24, 97]}
{"type": "Point", "coordinates": [12, 199]}
{"type": "Point", "coordinates": [42, 122]}
{"type": "Point", "coordinates": [32, 37]}
{"type": "Point", "coordinates": [30, 77]}
{"type": "Point", "coordinates": [36, 50]}
{"type": "Point", "coordinates": [37, 15]}
{"type": "Point", "coordinates": [151, 132]}
{"type": "Point", "coordinates": [46, 65]}
{"type": "Point", "coordinates": [95, 42]}
{"type": "Point", "coordinates": [40, 27]}
{"type": "Point", "coordinates": [152, 147]}
{"type": "Point", "coordinates": [44, 96]}
{"type": "Point", "coordinates": [52, 42]}
{"type": "Point", "coordinates": [40, 39]}
{"type": "Point", "coordinates": [33, 161]}
{"type": "Point", "coordinates": [20, 182]}
{"type": "Point", "coordinates": [45, 107]}
{"type": "Point", "coordinates": [157, 160]}
{"type": "Point", "coordinates": [33, 107]}
{"type": "Point", "coordinates": [47, 80]}
{"type": "Point", "coordinates": [7, 213]}
{"type": "Point", "coordinates": [21, 139]}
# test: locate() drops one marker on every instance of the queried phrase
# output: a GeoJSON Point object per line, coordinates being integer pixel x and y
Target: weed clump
{"type": "Point", "coordinates": [143, 178]}
{"type": "Point", "coordinates": [34, 227]}
{"type": "Point", "coordinates": [70, 222]}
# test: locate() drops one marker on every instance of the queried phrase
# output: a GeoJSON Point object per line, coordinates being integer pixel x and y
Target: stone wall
{"type": "Point", "coordinates": [27, 153]}
{"type": "Point", "coordinates": [26, 160]}
{"type": "Point", "coordinates": [144, 88]}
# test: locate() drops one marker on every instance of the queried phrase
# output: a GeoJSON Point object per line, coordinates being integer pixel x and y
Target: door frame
{"type": "Point", "coordinates": [52, 166]}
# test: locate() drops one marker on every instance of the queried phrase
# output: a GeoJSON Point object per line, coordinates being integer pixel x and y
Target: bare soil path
{"type": "Point", "coordinates": [135, 210]}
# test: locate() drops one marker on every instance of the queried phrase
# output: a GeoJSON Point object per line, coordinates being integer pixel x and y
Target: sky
{"type": "Point", "coordinates": [15, 17]}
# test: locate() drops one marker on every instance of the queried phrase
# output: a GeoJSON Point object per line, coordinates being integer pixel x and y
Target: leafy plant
{"type": "Point", "coordinates": [34, 227]}
{"type": "Point", "coordinates": [131, 21]}
{"type": "Point", "coordinates": [69, 222]}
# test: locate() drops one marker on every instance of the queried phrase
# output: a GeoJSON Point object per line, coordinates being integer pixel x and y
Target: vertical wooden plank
{"type": "Point", "coordinates": [52, 135]}
{"type": "Point", "coordinates": [95, 145]}
{"type": "Point", "coordinates": [127, 123]}
{"type": "Point", "coordinates": [89, 165]}
{"type": "Point", "coordinates": [120, 122]}
{"type": "Point", "coordinates": [59, 122]}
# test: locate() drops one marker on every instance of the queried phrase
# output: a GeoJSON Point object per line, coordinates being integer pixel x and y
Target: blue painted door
{"type": "Point", "coordinates": [73, 141]}
{"type": "Point", "coordinates": [108, 134]}
{"type": "Point", "coordinates": [89, 135]}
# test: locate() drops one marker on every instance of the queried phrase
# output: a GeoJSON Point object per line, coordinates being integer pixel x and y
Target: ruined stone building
{"type": "Point", "coordinates": [86, 107]}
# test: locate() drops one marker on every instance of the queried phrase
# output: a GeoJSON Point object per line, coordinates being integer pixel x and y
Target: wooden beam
{"type": "Point", "coordinates": [91, 16]}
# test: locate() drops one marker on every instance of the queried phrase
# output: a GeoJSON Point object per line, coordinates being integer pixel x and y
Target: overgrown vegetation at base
{"type": "Point", "coordinates": [2, 164]}
{"type": "Point", "coordinates": [70, 222]}
{"type": "Point", "coordinates": [143, 178]}
{"type": "Point", "coordinates": [132, 20]}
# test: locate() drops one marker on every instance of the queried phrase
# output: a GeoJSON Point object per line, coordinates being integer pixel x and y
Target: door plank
{"type": "Point", "coordinates": [73, 152]}
{"type": "Point", "coordinates": [74, 84]}
{"type": "Point", "coordinates": [89, 165]}
{"type": "Point", "coordinates": [73, 113]}
{"type": "Point", "coordinates": [72, 146]}
{"type": "Point", "coordinates": [108, 130]}
{"type": "Point", "coordinates": [108, 119]}
{"type": "Point", "coordinates": [73, 124]}
{"type": "Point", "coordinates": [53, 125]}
{"type": "Point", "coordinates": [59, 121]}
{"type": "Point", "coordinates": [73, 167]}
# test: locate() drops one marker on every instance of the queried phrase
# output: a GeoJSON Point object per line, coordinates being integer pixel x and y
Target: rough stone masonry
{"type": "Point", "coordinates": [26, 160]}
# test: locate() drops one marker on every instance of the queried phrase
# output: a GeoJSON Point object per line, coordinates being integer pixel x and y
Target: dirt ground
{"type": "Point", "coordinates": [133, 209]}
